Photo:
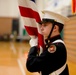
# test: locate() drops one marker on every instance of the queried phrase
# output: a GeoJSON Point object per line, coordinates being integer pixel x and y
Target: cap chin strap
{"type": "Point", "coordinates": [51, 30]}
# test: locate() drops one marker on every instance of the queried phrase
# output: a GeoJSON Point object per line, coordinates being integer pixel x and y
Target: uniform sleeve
{"type": "Point", "coordinates": [35, 63]}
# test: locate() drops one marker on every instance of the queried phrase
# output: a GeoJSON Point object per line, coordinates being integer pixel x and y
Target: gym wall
{"type": "Point", "coordinates": [70, 38]}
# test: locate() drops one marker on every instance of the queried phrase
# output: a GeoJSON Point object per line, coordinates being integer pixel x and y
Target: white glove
{"type": "Point", "coordinates": [33, 42]}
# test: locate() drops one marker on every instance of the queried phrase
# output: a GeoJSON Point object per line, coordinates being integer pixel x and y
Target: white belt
{"type": "Point", "coordinates": [60, 70]}
{"type": "Point", "coordinates": [59, 40]}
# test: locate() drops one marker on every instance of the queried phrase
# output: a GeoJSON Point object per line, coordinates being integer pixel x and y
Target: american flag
{"type": "Point", "coordinates": [31, 18]}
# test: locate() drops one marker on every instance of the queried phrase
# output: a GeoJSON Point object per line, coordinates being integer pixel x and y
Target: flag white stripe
{"type": "Point", "coordinates": [27, 3]}
{"type": "Point", "coordinates": [29, 22]}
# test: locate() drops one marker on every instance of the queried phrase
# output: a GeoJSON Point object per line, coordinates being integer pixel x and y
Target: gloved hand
{"type": "Point", "coordinates": [33, 41]}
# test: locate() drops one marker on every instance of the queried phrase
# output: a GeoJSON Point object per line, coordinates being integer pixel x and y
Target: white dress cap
{"type": "Point", "coordinates": [53, 15]}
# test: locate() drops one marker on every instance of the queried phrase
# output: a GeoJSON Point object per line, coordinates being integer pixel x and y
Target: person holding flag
{"type": "Point", "coordinates": [53, 59]}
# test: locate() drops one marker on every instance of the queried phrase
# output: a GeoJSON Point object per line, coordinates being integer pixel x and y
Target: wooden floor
{"type": "Point", "coordinates": [13, 56]}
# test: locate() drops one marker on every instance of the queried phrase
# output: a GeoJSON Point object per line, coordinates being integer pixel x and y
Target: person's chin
{"type": "Point", "coordinates": [45, 37]}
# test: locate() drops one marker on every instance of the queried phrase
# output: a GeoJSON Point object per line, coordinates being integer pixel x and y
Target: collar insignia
{"type": "Point", "coordinates": [52, 49]}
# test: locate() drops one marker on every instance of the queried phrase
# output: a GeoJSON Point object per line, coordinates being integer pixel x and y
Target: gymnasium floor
{"type": "Point", "coordinates": [13, 56]}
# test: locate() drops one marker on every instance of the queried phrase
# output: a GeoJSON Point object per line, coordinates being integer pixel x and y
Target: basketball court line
{"type": "Point", "coordinates": [18, 60]}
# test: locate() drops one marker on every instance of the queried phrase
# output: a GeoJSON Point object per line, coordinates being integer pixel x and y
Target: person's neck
{"type": "Point", "coordinates": [54, 35]}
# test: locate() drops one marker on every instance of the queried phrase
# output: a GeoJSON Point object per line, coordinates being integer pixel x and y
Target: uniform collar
{"type": "Point", "coordinates": [52, 39]}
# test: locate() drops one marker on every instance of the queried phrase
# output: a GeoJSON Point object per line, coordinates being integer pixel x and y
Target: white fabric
{"type": "Point", "coordinates": [33, 42]}
{"type": "Point", "coordinates": [60, 70]}
{"type": "Point", "coordinates": [57, 72]}
{"type": "Point", "coordinates": [28, 4]}
{"type": "Point", "coordinates": [41, 50]}
{"type": "Point", "coordinates": [59, 40]}
{"type": "Point", "coordinates": [56, 16]}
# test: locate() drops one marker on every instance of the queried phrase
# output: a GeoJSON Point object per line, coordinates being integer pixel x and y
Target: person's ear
{"type": "Point", "coordinates": [55, 28]}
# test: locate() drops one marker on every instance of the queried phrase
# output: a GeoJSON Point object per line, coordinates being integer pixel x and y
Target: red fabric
{"type": "Point", "coordinates": [28, 12]}
{"type": "Point", "coordinates": [73, 6]}
{"type": "Point", "coordinates": [31, 30]}
{"type": "Point", "coordinates": [30, 15]}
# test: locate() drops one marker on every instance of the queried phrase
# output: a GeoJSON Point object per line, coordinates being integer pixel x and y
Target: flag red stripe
{"type": "Point", "coordinates": [41, 40]}
{"type": "Point", "coordinates": [28, 12]}
{"type": "Point", "coordinates": [31, 30]}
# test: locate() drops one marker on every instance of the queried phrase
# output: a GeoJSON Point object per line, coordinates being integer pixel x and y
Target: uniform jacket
{"type": "Point", "coordinates": [48, 61]}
